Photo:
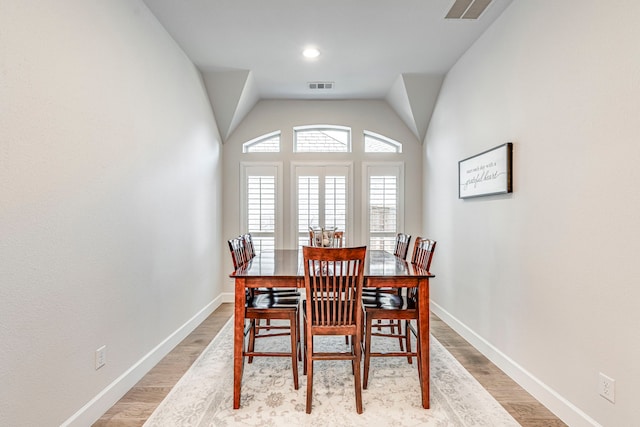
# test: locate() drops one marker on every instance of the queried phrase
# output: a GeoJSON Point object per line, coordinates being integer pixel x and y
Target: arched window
{"type": "Point", "coordinates": [322, 139]}
{"type": "Point", "coordinates": [375, 143]}
{"type": "Point", "coordinates": [268, 143]}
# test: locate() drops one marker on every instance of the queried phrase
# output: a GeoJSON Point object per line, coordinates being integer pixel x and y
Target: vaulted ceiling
{"type": "Point", "coordinates": [397, 50]}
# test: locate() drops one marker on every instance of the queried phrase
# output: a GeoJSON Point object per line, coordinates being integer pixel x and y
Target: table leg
{"type": "Point", "coordinates": [238, 340]}
{"type": "Point", "coordinates": [423, 326]}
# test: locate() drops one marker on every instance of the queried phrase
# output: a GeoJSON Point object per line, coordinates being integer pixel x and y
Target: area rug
{"type": "Point", "coordinates": [204, 395]}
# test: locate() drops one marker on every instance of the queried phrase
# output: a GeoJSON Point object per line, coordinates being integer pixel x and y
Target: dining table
{"type": "Point", "coordinates": [284, 268]}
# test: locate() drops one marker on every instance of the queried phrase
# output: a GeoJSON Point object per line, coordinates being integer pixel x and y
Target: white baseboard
{"type": "Point", "coordinates": [557, 404]}
{"type": "Point", "coordinates": [104, 400]}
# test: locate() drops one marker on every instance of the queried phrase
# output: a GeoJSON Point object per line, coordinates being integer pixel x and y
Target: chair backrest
{"type": "Point", "coordinates": [333, 279]}
{"type": "Point", "coordinates": [423, 250]}
{"type": "Point", "coordinates": [237, 247]}
{"type": "Point", "coordinates": [402, 245]}
{"type": "Point", "coordinates": [249, 249]}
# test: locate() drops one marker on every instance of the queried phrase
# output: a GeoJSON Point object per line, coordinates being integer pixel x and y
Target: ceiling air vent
{"type": "Point", "coordinates": [467, 9]}
{"type": "Point", "coordinates": [321, 85]}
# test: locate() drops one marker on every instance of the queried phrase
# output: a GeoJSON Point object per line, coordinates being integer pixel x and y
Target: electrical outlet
{"type": "Point", "coordinates": [101, 357]}
{"type": "Point", "coordinates": [607, 387]}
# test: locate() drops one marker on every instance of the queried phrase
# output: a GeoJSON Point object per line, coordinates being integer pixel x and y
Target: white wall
{"type": "Point", "coordinates": [544, 280]}
{"type": "Point", "coordinates": [272, 115]}
{"type": "Point", "coordinates": [109, 182]}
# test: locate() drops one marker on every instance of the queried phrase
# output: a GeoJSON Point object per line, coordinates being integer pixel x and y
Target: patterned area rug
{"type": "Point", "coordinates": [203, 397]}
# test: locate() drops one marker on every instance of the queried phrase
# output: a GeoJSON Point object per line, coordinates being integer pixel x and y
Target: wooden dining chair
{"type": "Point", "coordinates": [397, 307]}
{"type": "Point", "coordinates": [268, 306]}
{"type": "Point", "coordinates": [401, 248]}
{"type": "Point", "coordinates": [249, 249]}
{"type": "Point", "coordinates": [238, 249]}
{"type": "Point", "coordinates": [333, 279]}
{"type": "Point", "coordinates": [314, 232]}
{"type": "Point", "coordinates": [402, 245]}
{"type": "Point", "coordinates": [276, 296]}
{"type": "Point", "coordinates": [338, 239]}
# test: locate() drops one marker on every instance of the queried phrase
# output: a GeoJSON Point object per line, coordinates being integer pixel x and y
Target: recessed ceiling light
{"type": "Point", "coordinates": [311, 52]}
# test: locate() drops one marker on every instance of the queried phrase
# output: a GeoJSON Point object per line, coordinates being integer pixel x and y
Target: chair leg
{"type": "Point", "coordinates": [352, 349]}
{"type": "Point", "coordinates": [306, 349]}
{"type": "Point", "coordinates": [294, 347]}
{"type": "Point", "coordinates": [407, 335]}
{"type": "Point", "coordinates": [356, 378]}
{"type": "Point", "coordinates": [309, 370]}
{"type": "Point", "coordinates": [419, 356]}
{"type": "Point", "coordinates": [367, 352]}
{"type": "Point", "coordinates": [252, 337]}
{"type": "Point", "coordinates": [298, 337]}
{"type": "Point", "coordinates": [362, 334]}
{"type": "Point", "coordinates": [399, 326]}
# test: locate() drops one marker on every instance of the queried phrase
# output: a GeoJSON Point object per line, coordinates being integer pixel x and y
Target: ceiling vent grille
{"type": "Point", "coordinates": [321, 85]}
{"type": "Point", "coordinates": [467, 9]}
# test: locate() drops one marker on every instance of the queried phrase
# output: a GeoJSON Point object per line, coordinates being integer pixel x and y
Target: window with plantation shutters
{"type": "Point", "coordinates": [261, 211]}
{"type": "Point", "coordinates": [385, 216]}
{"type": "Point", "coordinates": [335, 201]}
{"type": "Point", "coordinates": [321, 198]}
{"type": "Point", "coordinates": [308, 205]}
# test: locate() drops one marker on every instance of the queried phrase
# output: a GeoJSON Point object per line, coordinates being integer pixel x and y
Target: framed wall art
{"type": "Point", "coordinates": [486, 173]}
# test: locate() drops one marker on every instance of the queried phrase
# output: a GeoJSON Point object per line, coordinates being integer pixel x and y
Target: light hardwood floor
{"type": "Point", "coordinates": [136, 406]}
